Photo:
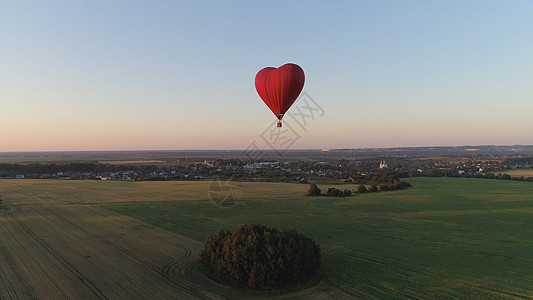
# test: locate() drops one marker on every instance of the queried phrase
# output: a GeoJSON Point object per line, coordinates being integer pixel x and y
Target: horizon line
{"type": "Point", "coordinates": [296, 149]}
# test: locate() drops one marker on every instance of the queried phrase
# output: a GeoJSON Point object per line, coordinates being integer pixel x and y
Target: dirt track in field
{"type": "Point", "coordinates": [83, 251]}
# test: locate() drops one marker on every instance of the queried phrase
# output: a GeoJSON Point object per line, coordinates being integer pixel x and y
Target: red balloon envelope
{"type": "Point", "coordinates": [280, 87]}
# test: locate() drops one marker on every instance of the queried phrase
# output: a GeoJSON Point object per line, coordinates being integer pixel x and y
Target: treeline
{"type": "Point", "coordinates": [528, 160]}
{"type": "Point", "coordinates": [499, 176]}
{"type": "Point", "coordinates": [337, 192]}
{"type": "Point", "coordinates": [258, 257]}
{"type": "Point", "coordinates": [361, 189]}
{"type": "Point", "coordinates": [378, 178]}
{"type": "Point", "coordinates": [52, 168]}
{"type": "Point", "coordinates": [455, 173]}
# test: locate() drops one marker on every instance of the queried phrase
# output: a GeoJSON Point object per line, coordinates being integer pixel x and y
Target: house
{"type": "Point", "coordinates": [20, 176]}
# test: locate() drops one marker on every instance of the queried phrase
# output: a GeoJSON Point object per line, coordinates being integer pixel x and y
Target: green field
{"type": "Point", "coordinates": [442, 238]}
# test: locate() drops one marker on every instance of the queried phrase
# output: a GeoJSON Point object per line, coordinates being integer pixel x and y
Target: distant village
{"type": "Point", "coordinates": [298, 171]}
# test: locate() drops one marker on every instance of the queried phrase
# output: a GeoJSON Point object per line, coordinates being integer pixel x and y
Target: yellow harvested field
{"type": "Point", "coordinates": [96, 192]}
{"type": "Point", "coordinates": [86, 252]}
{"type": "Point", "coordinates": [520, 172]}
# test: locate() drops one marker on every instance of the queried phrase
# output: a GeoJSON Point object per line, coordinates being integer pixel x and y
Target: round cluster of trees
{"type": "Point", "coordinates": [258, 257]}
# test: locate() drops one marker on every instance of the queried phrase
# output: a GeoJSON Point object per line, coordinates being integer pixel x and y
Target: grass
{"type": "Point", "coordinates": [442, 238]}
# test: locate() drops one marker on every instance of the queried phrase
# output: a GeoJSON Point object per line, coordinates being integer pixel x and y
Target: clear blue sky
{"type": "Point", "coordinates": [126, 75]}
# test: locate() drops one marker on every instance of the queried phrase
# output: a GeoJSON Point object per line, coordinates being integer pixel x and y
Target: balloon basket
{"type": "Point", "coordinates": [279, 124]}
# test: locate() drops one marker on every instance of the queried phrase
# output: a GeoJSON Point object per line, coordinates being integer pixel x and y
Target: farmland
{"type": "Point", "coordinates": [58, 242]}
{"type": "Point", "coordinates": [520, 172]}
{"type": "Point", "coordinates": [464, 238]}
{"type": "Point", "coordinates": [442, 238]}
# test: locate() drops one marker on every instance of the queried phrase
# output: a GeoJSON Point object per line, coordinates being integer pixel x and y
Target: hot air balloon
{"type": "Point", "coordinates": [280, 87]}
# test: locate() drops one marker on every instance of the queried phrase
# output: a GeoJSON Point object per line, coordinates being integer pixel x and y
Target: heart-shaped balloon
{"type": "Point", "coordinates": [280, 87]}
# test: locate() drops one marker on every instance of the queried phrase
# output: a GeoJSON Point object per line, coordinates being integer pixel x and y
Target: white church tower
{"type": "Point", "coordinates": [383, 165]}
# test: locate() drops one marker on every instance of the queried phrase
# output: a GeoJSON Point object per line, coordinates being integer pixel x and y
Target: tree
{"type": "Point", "coordinates": [405, 184]}
{"type": "Point", "coordinates": [314, 190]}
{"type": "Point", "coordinates": [255, 256]}
{"type": "Point", "coordinates": [373, 188]}
{"type": "Point", "coordinates": [361, 189]}
{"type": "Point", "coordinates": [335, 192]}
{"type": "Point", "coordinates": [0, 199]}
